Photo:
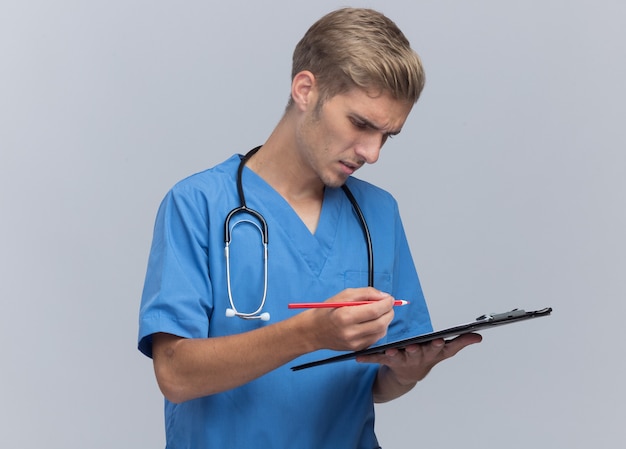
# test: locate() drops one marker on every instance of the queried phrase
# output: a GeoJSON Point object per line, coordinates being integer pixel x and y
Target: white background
{"type": "Point", "coordinates": [510, 173]}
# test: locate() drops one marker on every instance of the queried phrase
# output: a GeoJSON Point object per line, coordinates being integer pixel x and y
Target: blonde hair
{"type": "Point", "coordinates": [354, 47]}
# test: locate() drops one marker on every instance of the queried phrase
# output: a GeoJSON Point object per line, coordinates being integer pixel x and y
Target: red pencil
{"type": "Point", "coordinates": [325, 305]}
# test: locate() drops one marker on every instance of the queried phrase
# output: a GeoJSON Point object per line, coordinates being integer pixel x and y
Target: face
{"type": "Point", "coordinates": [347, 131]}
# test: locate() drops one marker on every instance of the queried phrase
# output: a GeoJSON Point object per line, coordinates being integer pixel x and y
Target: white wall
{"type": "Point", "coordinates": [511, 174]}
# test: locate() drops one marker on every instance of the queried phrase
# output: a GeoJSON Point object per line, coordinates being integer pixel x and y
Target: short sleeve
{"type": "Point", "coordinates": [177, 295]}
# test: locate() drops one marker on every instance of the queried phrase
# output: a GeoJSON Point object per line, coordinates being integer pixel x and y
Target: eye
{"type": "Point", "coordinates": [359, 124]}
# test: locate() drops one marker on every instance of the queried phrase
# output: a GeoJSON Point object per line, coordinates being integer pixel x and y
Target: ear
{"type": "Point", "coordinates": [304, 90]}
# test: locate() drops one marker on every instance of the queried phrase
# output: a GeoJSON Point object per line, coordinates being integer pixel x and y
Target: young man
{"type": "Point", "coordinates": [220, 364]}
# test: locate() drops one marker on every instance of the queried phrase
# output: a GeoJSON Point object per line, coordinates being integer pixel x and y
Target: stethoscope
{"type": "Point", "coordinates": [262, 227]}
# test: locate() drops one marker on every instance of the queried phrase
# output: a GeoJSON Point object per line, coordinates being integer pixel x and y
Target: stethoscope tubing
{"type": "Point", "coordinates": [263, 229]}
{"type": "Point", "coordinates": [366, 235]}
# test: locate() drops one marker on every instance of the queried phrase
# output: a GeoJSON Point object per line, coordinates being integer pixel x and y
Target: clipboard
{"type": "Point", "coordinates": [482, 322]}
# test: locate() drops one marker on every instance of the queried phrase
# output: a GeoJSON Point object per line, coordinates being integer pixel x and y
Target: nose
{"type": "Point", "coordinates": [369, 150]}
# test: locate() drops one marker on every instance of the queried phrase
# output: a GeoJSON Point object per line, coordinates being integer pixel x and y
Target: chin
{"type": "Point", "coordinates": [333, 179]}
{"type": "Point", "coordinates": [335, 183]}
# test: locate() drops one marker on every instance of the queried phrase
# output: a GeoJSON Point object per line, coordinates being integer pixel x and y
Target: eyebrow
{"type": "Point", "coordinates": [369, 124]}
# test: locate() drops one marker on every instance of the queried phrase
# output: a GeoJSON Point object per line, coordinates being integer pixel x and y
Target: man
{"type": "Point", "coordinates": [221, 366]}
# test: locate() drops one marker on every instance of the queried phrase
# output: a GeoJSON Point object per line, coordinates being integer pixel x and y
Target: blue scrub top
{"type": "Point", "coordinates": [185, 294]}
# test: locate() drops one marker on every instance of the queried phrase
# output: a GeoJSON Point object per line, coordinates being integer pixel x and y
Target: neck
{"type": "Point", "coordinates": [279, 164]}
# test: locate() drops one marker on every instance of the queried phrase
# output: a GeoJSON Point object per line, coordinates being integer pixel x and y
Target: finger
{"type": "Point", "coordinates": [430, 353]}
{"type": "Point", "coordinates": [361, 294]}
{"type": "Point", "coordinates": [452, 347]}
{"type": "Point", "coordinates": [380, 311]}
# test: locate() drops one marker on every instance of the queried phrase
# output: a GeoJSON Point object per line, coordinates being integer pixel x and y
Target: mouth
{"type": "Point", "coordinates": [349, 167]}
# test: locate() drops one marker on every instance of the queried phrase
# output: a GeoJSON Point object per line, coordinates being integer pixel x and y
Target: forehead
{"type": "Point", "coordinates": [378, 108]}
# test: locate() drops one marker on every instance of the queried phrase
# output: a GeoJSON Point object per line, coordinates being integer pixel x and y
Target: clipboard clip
{"type": "Point", "coordinates": [501, 316]}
